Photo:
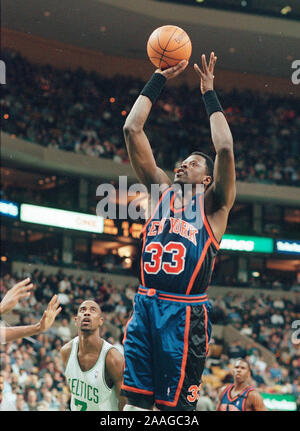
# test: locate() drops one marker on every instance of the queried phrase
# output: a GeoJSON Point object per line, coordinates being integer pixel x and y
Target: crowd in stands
{"type": "Point", "coordinates": [32, 368]}
{"type": "Point", "coordinates": [85, 112]}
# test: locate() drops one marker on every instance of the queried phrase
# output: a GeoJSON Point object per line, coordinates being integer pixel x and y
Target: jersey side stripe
{"type": "Point", "coordinates": [183, 363]}
{"type": "Point", "coordinates": [206, 332]}
{"type": "Point", "coordinates": [206, 224]}
{"type": "Point", "coordinates": [198, 266]}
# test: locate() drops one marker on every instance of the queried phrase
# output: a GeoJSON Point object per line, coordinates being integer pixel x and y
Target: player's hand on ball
{"type": "Point", "coordinates": [172, 72]}
{"type": "Point", "coordinates": [207, 73]}
{"type": "Point", "coordinates": [50, 314]}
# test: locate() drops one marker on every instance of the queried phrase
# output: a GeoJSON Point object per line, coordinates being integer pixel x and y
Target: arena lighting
{"type": "Point", "coordinates": [254, 244]}
{"type": "Point", "coordinates": [285, 10]}
{"type": "Point", "coordinates": [9, 209]}
{"type": "Point", "coordinates": [287, 246]}
{"type": "Point", "coordinates": [61, 218]}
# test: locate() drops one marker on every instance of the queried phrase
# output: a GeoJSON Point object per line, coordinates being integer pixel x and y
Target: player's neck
{"type": "Point", "coordinates": [89, 342]}
{"type": "Point", "coordinates": [238, 387]}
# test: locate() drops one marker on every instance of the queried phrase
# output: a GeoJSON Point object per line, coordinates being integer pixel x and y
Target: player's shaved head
{"type": "Point", "coordinates": [90, 303]}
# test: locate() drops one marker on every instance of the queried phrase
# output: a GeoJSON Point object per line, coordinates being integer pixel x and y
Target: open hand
{"type": "Point", "coordinates": [172, 72]}
{"type": "Point", "coordinates": [50, 314]}
{"type": "Point", "coordinates": [207, 74]}
{"type": "Point", "coordinates": [18, 291]}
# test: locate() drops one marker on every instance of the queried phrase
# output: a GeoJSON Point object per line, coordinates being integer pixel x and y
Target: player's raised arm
{"type": "Point", "coordinates": [15, 332]}
{"type": "Point", "coordinates": [223, 189]}
{"type": "Point", "coordinates": [138, 146]}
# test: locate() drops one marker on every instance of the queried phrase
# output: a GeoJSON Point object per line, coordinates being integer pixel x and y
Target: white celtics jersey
{"type": "Point", "coordinates": [89, 390]}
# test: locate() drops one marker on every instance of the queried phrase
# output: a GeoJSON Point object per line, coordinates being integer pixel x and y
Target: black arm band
{"type": "Point", "coordinates": [211, 102]}
{"type": "Point", "coordinates": [154, 86]}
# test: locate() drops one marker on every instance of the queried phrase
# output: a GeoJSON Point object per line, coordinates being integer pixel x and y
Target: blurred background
{"type": "Point", "coordinates": [73, 71]}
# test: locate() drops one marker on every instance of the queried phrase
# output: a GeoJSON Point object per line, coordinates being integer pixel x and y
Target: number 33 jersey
{"type": "Point", "coordinates": [178, 247]}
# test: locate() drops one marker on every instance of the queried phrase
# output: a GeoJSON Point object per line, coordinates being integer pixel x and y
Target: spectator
{"type": "Point", "coordinates": [63, 331]}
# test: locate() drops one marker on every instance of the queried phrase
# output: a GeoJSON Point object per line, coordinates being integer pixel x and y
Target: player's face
{"type": "Point", "coordinates": [192, 170]}
{"type": "Point", "coordinates": [1, 384]}
{"type": "Point", "coordinates": [241, 371]}
{"type": "Point", "coordinates": [89, 316]}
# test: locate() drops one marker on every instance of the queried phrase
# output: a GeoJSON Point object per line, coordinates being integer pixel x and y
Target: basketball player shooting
{"type": "Point", "coordinates": [240, 396]}
{"type": "Point", "coordinates": [93, 367]}
{"type": "Point", "coordinates": [166, 339]}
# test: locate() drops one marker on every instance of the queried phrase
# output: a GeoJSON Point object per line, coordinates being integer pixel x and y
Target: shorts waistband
{"type": "Point", "coordinates": [190, 299]}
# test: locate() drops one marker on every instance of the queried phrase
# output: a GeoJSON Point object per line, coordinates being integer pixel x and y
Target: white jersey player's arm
{"type": "Point", "coordinates": [114, 367]}
{"type": "Point", "coordinates": [65, 353]}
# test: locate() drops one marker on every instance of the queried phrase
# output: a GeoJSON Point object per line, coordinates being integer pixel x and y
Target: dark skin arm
{"type": "Point", "coordinates": [65, 352]}
{"type": "Point", "coordinates": [220, 197]}
{"type": "Point", "coordinates": [138, 146]}
{"type": "Point", "coordinates": [255, 402]}
{"type": "Point", "coordinates": [114, 373]}
{"type": "Point", "coordinates": [220, 395]}
{"type": "Point", "coordinates": [13, 333]}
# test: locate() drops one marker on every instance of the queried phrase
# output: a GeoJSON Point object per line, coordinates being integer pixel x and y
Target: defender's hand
{"type": "Point", "coordinates": [50, 314]}
{"type": "Point", "coordinates": [13, 296]}
{"type": "Point", "coordinates": [173, 71]}
{"type": "Point", "coordinates": [207, 74]}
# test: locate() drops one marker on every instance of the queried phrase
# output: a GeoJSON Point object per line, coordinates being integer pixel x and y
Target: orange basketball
{"type": "Point", "coordinates": [168, 45]}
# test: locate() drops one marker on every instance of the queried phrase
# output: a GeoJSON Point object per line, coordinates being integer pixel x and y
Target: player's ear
{"type": "Point", "coordinates": [207, 180]}
{"type": "Point", "coordinates": [101, 321]}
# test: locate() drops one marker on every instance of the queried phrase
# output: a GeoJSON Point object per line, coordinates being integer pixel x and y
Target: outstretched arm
{"type": "Point", "coordinates": [221, 195]}
{"type": "Point", "coordinates": [12, 297]}
{"type": "Point", "coordinates": [138, 146]}
{"type": "Point", "coordinates": [15, 332]}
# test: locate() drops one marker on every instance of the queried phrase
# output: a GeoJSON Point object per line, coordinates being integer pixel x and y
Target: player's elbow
{"type": "Point", "coordinates": [225, 148]}
{"type": "Point", "coordinates": [131, 128]}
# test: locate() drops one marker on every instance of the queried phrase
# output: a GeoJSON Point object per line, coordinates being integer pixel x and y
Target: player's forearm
{"type": "Point", "coordinates": [220, 132]}
{"type": "Point", "coordinates": [138, 115]}
{"type": "Point", "coordinates": [16, 332]}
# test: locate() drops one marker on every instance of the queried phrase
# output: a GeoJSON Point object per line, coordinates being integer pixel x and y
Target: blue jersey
{"type": "Point", "coordinates": [178, 247]}
{"type": "Point", "coordinates": [237, 403]}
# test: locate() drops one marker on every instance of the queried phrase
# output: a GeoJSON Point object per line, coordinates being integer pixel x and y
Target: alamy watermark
{"type": "Point", "coordinates": [296, 334]}
{"type": "Point", "coordinates": [2, 72]}
{"type": "Point", "coordinates": [145, 202]}
{"type": "Point", "coordinates": [296, 74]}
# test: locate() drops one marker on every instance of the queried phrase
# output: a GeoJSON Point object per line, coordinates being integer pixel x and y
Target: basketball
{"type": "Point", "coordinates": [168, 45]}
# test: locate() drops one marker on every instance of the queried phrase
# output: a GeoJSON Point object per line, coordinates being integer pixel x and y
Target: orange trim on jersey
{"type": "Point", "coordinates": [176, 210]}
{"type": "Point", "coordinates": [125, 330]}
{"type": "Point", "coordinates": [183, 363]}
{"type": "Point", "coordinates": [245, 399]}
{"type": "Point", "coordinates": [198, 266]}
{"type": "Point", "coordinates": [184, 298]}
{"type": "Point", "coordinates": [206, 224]}
{"type": "Point", "coordinates": [238, 395]}
{"type": "Point", "coordinates": [141, 260]}
{"type": "Point", "coordinates": [206, 333]}
{"type": "Point", "coordinates": [224, 392]}
{"type": "Point", "coordinates": [155, 209]}
{"type": "Point", "coordinates": [144, 234]}
{"type": "Point", "coordinates": [175, 298]}
{"type": "Point", "coordinates": [137, 390]}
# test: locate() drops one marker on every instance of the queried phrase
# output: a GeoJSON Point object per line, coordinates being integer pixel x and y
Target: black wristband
{"type": "Point", "coordinates": [211, 102]}
{"type": "Point", "coordinates": [154, 86]}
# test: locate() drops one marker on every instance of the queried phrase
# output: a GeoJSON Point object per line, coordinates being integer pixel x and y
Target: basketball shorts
{"type": "Point", "coordinates": [165, 346]}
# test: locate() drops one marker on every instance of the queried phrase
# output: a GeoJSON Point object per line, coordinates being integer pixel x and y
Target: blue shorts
{"type": "Point", "coordinates": [165, 346]}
